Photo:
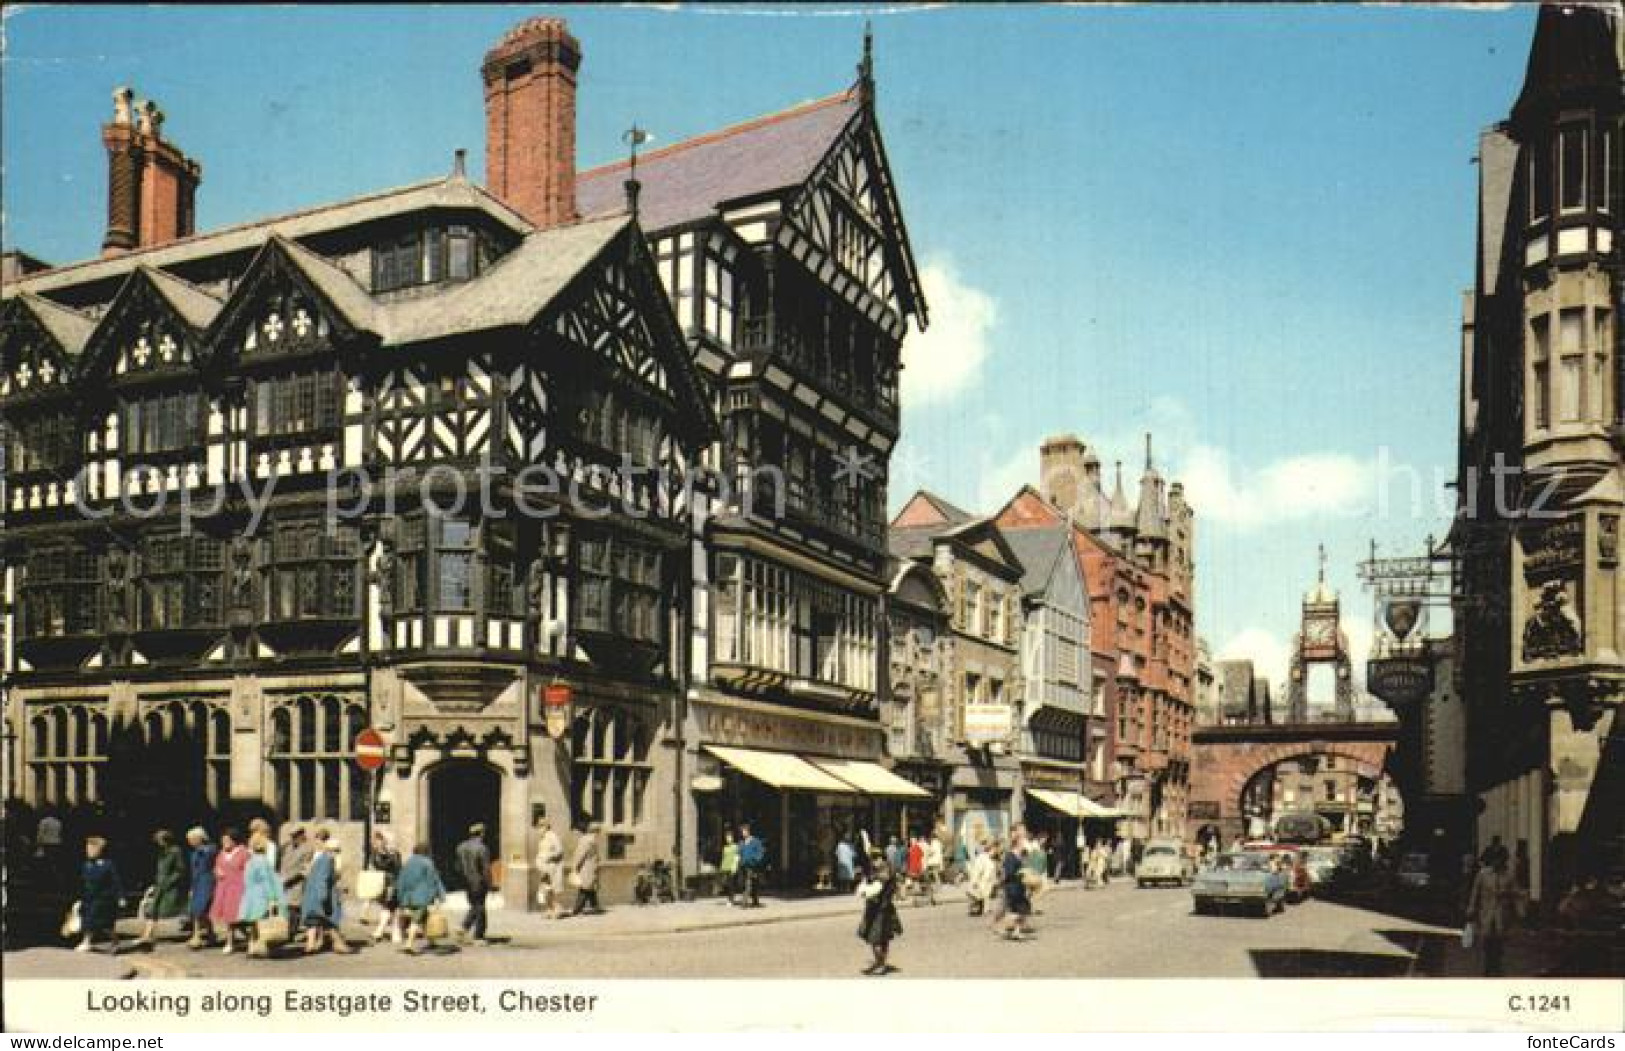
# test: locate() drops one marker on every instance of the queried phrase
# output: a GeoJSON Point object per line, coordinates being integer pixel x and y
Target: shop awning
{"type": "Point", "coordinates": [780, 769]}
{"type": "Point", "coordinates": [871, 779]}
{"type": "Point", "coordinates": [1072, 804]}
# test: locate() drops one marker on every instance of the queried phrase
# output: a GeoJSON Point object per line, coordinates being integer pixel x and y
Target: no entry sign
{"type": "Point", "coordinates": [370, 749]}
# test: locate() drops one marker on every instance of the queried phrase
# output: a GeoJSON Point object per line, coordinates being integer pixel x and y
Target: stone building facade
{"type": "Point", "coordinates": [1541, 473]}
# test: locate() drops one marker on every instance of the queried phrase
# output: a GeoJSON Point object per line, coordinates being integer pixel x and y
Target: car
{"type": "Point", "coordinates": [1326, 867]}
{"type": "Point", "coordinates": [1412, 872]}
{"type": "Point", "coordinates": [1245, 878]}
{"type": "Point", "coordinates": [1164, 861]}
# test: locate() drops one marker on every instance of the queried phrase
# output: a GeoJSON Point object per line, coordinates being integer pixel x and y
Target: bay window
{"type": "Point", "coordinates": [313, 571]}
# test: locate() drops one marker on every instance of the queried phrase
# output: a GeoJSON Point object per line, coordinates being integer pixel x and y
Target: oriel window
{"type": "Point", "coordinates": [455, 565]}
{"type": "Point", "coordinates": [1572, 168]}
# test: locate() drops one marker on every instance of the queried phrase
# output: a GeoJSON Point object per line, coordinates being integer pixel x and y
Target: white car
{"type": "Point", "coordinates": [1166, 862]}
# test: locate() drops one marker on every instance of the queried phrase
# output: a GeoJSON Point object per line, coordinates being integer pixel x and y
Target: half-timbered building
{"type": "Point", "coordinates": [416, 460]}
{"type": "Point", "coordinates": [781, 245]}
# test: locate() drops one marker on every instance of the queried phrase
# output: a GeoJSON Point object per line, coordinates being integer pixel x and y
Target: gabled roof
{"type": "Point", "coordinates": [444, 192]}
{"type": "Point", "coordinates": [687, 181]}
{"type": "Point", "coordinates": [513, 291]}
{"type": "Point", "coordinates": [927, 508]}
{"type": "Point", "coordinates": [195, 306]}
{"type": "Point", "coordinates": [1038, 549]}
{"type": "Point", "coordinates": [68, 327]}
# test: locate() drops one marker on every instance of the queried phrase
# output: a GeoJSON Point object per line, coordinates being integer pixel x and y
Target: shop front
{"type": "Point", "coordinates": [800, 780]}
{"type": "Point", "coordinates": [1072, 819]}
{"type": "Point", "coordinates": [981, 803]}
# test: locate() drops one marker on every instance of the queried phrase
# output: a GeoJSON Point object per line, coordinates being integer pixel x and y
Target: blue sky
{"type": "Point", "coordinates": [1244, 229]}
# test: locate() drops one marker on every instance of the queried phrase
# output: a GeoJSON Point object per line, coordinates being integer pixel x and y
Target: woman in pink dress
{"type": "Point", "coordinates": [229, 866]}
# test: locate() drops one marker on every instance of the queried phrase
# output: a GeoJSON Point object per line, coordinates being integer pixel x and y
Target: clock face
{"type": "Point", "coordinates": [1320, 632]}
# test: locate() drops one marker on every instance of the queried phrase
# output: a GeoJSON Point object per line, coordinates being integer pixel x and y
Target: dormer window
{"type": "Point", "coordinates": [426, 257]}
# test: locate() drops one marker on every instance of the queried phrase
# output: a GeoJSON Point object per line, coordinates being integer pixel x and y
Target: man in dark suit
{"type": "Point", "coordinates": [474, 865]}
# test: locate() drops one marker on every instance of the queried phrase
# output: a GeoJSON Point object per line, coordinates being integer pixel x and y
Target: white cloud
{"type": "Point", "coordinates": [1270, 653]}
{"type": "Point", "coordinates": [947, 357]}
{"type": "Point", "coordinates": [1293, 487]}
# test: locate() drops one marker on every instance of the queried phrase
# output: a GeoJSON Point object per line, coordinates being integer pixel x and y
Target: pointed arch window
{"type": "Point", "coordinates": [64, 754]}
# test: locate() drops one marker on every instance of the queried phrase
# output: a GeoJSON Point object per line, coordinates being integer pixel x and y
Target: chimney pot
{"type": "Point", "coordinates": [459, 163]}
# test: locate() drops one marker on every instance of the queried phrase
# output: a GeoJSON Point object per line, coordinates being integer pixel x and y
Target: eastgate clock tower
{"type": "Point", "coordinates": [1320, 640]}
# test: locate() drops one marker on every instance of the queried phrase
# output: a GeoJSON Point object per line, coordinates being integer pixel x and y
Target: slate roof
{"type": "Point", "coordinates": [689, 180]}
{"type": "Point", "coordinates": [1572, 55]}
{"type": "Point", "coordinates": [911, 542]}
{"type": "Point", "coordinates": [443, 192]}
{"type": "Point", "coordinates": [68, 327]}
{"type": "Point", "coordinates": [1038, 549]}
{"type": "Point", "coordinates": [193, 304]}
{"type": "Point", "coordinates": [513, 291]}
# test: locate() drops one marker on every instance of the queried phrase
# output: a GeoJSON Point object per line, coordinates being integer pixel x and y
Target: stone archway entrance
{"type": "Point", "coordinates": [461, 792]}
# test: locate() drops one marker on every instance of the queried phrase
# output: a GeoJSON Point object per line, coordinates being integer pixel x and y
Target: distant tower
{"type": "Point", "coordinates": [1320, 640]}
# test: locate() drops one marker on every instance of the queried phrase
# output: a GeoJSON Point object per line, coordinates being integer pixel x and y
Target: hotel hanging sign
{"type": "Point", "coordinates": [557, 706]}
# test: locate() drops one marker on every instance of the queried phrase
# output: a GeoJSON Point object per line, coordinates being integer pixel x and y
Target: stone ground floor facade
{"type": "Point", "coordinates": [126, 756]}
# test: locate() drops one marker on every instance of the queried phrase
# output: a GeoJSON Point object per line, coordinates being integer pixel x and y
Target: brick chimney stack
{"type": "Point", "coordinates": [151, 185]}
{"type": "Point", "coordinates": [530, 120]}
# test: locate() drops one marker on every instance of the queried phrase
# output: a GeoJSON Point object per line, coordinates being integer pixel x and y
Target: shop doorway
{"type": "Point", "coordinates": [462, 792]}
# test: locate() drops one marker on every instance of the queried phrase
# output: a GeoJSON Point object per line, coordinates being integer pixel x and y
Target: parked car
{"type": "Point", "coordinates": [1244, 878]}
{"type": "Point", "coordinates": [1293, 866]}
{"type": "Point", "coordinates": [1164, 861]}
{"type": "Point", "coordinates": [1412, 872]}
{"type": "Point", "coordinates": [1326, 868]}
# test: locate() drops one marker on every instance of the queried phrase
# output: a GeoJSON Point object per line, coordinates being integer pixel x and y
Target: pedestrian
{"type": "Point", "coordinates": [845, 865]}
{"type": "Point", "coordinates": [1490, 908]}
{"type": "Point", "coordinates": [982, 881]}
{"type": "Point", "coordinates": [916, 858]}
{"type": "Point", "coordinates": [584, 871]}
{"type": "Point", "coordinates": [386, 859]}
{"type": "Point", "coordinates": [933, 867]}
{"type": "Point", "coordinates": [321, 904]}
{"type": "Point", "coordinates": [200, 859]}
{"type": "Point", "coordinates": [263, 827]}
{"type": "Point", "coordinates": [229, 866]}
{"type": "Point", "coordinates": [167, 899]}
{"type": "Point", "coordinates": [1016, 903]}
{"type": "Point", "coordinates": [293, 862]}
{"type": "Point", "coordinates": [420, 891]}
{"type": "Point", "coordinates": [728, 866]}
{"type": "Point", "coordinates": [896, 855]}
{"type": "Point", "coordinates": [880, 923]}
{"type": "Point", "coordinates": [996, 904]}
{"type": "Point", "coordinates": [262, 893]}
{"type": "Point", "coordinates": [549, 869]}
{"type": "Point", "coordinates": [753, 863]}
{"type": "Point", "coordinates": [473, 859]}
{"type": "Point", "coordinates": [100, 891]}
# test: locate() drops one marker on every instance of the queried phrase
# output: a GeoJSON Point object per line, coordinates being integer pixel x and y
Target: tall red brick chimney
{"type": "Point", "coordinates": [530, 120]}
{"type": "Point", "coordinates": [151, 184]}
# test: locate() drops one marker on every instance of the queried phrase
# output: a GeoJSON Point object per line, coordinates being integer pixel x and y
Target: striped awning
{"type": "Point", "coordinates": [871, 779]}
{"type": "Point", "coordinates": [780, 770]}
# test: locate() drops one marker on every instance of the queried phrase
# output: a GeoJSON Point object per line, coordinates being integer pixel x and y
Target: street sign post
{"type": "Point", "coordinates": [370, 750]}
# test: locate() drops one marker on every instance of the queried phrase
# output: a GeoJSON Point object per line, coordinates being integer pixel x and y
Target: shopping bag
{"type": "Point", "coordinates": [370, 885]}
{"type": "Point", "coordinates": [435, 926]}
{"type": "Point", "coordinates": [1467, 935]}
{"type": "Point", "coordinates": [272, 929]}
{"type": "Point", "coordinates": [573, 879]}
{"type": "Point", "coordinates": [71, 925]}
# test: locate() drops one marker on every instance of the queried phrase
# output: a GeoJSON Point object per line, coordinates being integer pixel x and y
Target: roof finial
{"type": "Point", "coordinates": [634, 137]}
{"type": "Point", "coordinates": [1148, 450]}
{"type": "Point", "coordinates": [866, 67]}
{"type": "Point", "coordinates": [1321, 548]}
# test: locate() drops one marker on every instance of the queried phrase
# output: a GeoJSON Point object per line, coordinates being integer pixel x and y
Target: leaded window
{"type": "Point", "coordinates": [66, 753]}
{"type": "Point", "coordinates": [180, 582]}
{"type": "Point", "coordinates": [619, 588]}
{"type": "Point", "coordinates": [162, 423]}
{"type": "Point", "coordinates": [610, 767]}
{"type": "Point", "coordinates": [297, 403]}
{"type": "Point", "coordinates": [45, 442]}
{"type": "Point", "coordinates": [312, 571]}
{"type": "Point", "coordinates": [61, 592]}
{"type": "Point", "coordinates": [313, 776]}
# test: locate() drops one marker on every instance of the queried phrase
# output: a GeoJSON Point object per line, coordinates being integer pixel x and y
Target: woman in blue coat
{"type": "Point", "coordinates": [200, 855]}
{"type": "Point", "coordinates": [262, 893]}
{"type": "Point", "coordinates": [99, 898]}
{"type": "Point", "coordinates": [419, 889]}
{"type": "Point", "coordinates": [319, 908]}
